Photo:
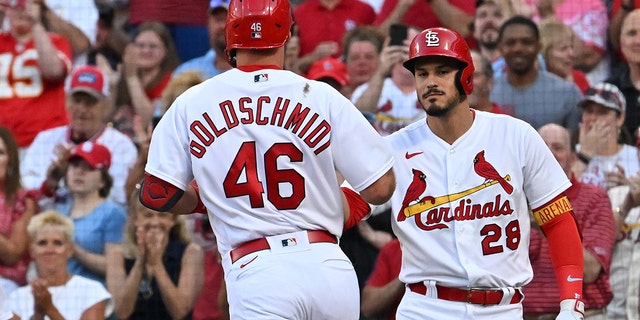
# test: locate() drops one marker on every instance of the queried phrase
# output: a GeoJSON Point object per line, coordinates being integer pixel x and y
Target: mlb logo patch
{"type": "Point", "coordinates": [256, 35]}
{"type": "Point", "coordinates": [87, 77]}
{"type": "Point", "coordinates": [261, 77]}
{"type": "Point", "coordinates": [289, 242]}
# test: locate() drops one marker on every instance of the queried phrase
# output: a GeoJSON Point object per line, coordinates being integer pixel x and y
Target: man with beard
{"type": "Point", "coordinates": [465, 233]}
{"type": "Point", "coordinates": [524, 90]}
{"type": "Point", "coordinates": [214, 61]}
{"type": "Point", "coordinates": [488, 18]}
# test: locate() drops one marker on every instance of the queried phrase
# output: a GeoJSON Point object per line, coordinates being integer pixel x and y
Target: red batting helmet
{"type": "Point", "coordinates": [257, 24]}
{"type": "Point", "coordinates": [446, 43]}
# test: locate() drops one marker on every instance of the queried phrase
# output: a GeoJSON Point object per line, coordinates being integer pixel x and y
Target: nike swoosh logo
{"type": "Point", "coordinates": [411, 155]}
{"type": "Point", "coordinates": [570, 279]}
{"type": "Point", "coordinates": [246, 263]}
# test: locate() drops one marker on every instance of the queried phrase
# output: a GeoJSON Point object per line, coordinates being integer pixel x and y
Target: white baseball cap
{"type": "Point", "coordinates": [605, 94]}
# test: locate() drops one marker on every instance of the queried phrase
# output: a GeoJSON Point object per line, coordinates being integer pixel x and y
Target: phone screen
{"type": "Point", "coordinates": [397, 33]}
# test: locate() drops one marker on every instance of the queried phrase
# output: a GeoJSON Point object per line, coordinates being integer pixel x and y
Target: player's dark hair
{"type": "Point", "coordinates": [519, 20]}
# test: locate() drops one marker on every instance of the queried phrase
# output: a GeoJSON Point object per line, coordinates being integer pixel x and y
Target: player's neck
{"type": "Point", "coordinates": [260, 57]}
{"type": "Point", "coordinates": [453, 125]}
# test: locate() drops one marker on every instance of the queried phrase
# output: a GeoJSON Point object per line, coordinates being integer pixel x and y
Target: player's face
{"type": "Point", "coordinates": [630, 37]}
{"type": "Point", "coordinates": [215, 27]}
{"type": "Point", "coordinates": [435, 84]}
{"type": "Point", "coordinates": [87, 114]}
{"type": "Point", "coordinates": [519, 46]}
{"type": "Point", "coordinates": [362, 61]}
{"type": "Point", "coordinates": [486, 24]}
{"type": "Point", "coordinates": [83, 180]}
{"type": "Point", "coordinates": [559, 57]}
{"type": "Point", "coordinates": [558, 141]}
{"type": "Point", "coordinates": [150, 50]}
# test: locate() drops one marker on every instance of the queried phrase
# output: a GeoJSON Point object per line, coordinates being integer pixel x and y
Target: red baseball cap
{"type": "Point", "coordinates": [95, 154]}
{"type": "Point", "coordinates": [329, 68]}
{"type": "Point", "coordinates": [88, 79]}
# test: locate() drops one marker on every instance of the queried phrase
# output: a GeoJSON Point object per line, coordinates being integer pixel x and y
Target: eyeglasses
{"type": "Point", "coordinates": [606, 95]}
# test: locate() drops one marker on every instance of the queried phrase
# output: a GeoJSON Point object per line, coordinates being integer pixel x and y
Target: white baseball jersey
{"type": "Point", "coordinates": [470, 231]}
{"type": "Point", "coordinates": [264, 147]}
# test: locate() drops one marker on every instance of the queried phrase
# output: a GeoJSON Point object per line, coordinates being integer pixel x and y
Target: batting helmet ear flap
{"type": "Point", "coordinates": [464, 80]}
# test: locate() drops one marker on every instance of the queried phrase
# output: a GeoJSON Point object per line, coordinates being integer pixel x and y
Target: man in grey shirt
{"type": "Point", "coordinates": [535, 96]}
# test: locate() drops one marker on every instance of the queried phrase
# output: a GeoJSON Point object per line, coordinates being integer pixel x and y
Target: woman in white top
{"type": "Point", "coordinates": [55, 293]}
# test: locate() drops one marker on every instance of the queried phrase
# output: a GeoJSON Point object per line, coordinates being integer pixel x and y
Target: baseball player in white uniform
{"type": "Point", "coordinates": [465, 182]}
{"type": "Point", "coordinates": [264, 145]}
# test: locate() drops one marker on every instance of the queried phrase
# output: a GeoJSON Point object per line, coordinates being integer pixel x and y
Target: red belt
{"type": "Point", "coordinates": [252, 246]}
{"type": "Point", "coordinates": [475, 296]}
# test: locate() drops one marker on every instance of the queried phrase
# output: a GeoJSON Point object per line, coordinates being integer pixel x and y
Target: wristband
{"type": "Point", "coordinates": [200, 207]}
{"type": "Point", "coordinates": [584, 158]}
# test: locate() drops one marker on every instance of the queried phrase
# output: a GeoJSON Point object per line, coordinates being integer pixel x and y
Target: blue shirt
{"type": "Point", "coordinates": [204, 64]}
{"type": "Point", "coordinates": [105, 224]}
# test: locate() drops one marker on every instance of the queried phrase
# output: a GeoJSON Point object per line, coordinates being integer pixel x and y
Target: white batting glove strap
{"type": "Point", "coordinates": [571, 309]}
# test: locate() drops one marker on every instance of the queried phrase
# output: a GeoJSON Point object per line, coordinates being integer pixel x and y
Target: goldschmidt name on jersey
{"type": "Point", "coordinates": [300, 120]}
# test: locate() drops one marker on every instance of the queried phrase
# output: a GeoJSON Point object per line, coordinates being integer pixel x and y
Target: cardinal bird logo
{"type": "Point", "coordinates": [488, 172]}
{"type": "Point", "coordinates": [414, 191]}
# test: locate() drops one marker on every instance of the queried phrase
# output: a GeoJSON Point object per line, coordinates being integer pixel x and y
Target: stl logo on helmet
{"type": "Point", "coordinates": [431, 39]}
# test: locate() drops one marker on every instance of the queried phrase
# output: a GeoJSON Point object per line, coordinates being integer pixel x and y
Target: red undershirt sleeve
{"type": "Point", "coordinates": [565, 246]}
{"type": "Point", "coordinates": [358, 208]}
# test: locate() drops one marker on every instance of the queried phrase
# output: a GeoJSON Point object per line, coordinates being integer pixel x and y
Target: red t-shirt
{"type": "Point", "coordinates": [592, 210]}
{"type": "Point", "coordinates": [192, 12]}
{"type": "Point", "coordinates": [316, 23]}
{"type": "Point", "coordinates": [206, 307]}
{"type": "Point", "coordinates": [580, 79]}
{"type": "Point", "coordinates": [28, 102]}
{"type": "Point", "coordinates": [420, 13]}
{"type": "Point", "coordinates": [387, 269]}
{"type": "Point", "coordinates": [495, 108]}
{"type": "Point", "coordinates": [8, 216]}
